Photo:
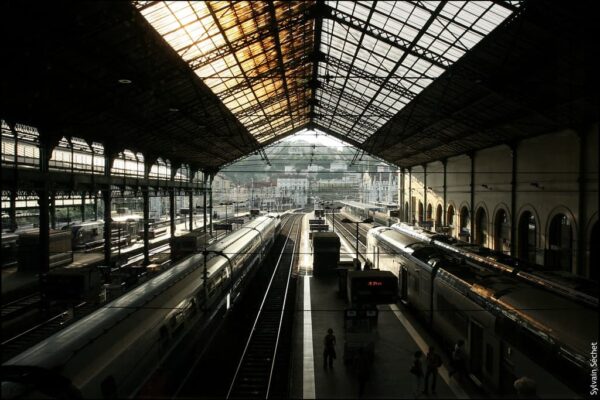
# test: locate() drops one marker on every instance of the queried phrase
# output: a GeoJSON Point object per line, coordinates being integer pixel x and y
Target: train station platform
{"type": "Point", "coordinates": [397, 337]}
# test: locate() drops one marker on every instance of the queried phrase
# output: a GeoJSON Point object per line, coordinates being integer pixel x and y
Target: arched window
{"type": "Point", "coordinates": [501, 232]}
{"type": "Point", "coordinates": [429, 215]}
{"type": "Point", "coordinates": [481, 222]}
{"type": "Point", "coordinates": [438, 215]}
{"type": "Point", "coordinates": [450, 216]}
{"type": "Point", "coordinates": [560, 243]}
{"type": "Point", "coordinates": [420, 212]}
{"type": "Point", "coordinates": [527, 237]}
{"type": "Point", "coordinates": [593, 274]}
{"type": "Point", "coordinates": [465, 221]}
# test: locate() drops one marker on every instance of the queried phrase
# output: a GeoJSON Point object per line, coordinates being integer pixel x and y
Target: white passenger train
{"type": "Point", "coordinates": [511, 328]}
{"type": "Point", "coordinates": [111, 352]}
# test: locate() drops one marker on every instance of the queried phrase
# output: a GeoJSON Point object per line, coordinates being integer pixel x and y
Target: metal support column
{"type": "Point", "coordinates": [472, 211]}
{"type": "Point", "coordinates": [445, 164]}
{"type": "Point", "coordinates": [402, 196]}
{"type": "Point", "coordinates": [424, 216]}
{"type": "Point", "coordinates": [83, 207]}
{"type": "Point", "coordinates": [146, 200]}
{"type": "Point", "coordinates": [411, 217]}
{"type": "Point", "coordinates": [44, 230]}
{"type": "Point", "coordinates": [12, 211]}
{"type": "Point", "coordinates": [204, 218]}
{"type": "Point", "coordinates": [172, 211]}
{"type": "Point", "coordinates": [582, 213]}
{"type": "Point", "coordinates": [107, 197]}
{"type": "Point", "coordinates": [95, 205]}
{"type": "Point", "coordinates": [513, 201]}
{"type": "Point", "coordinates": [43, 200]}
{"type": "Point", "coordinates": [210, 203]}
{"type": "Point", "coordinates": [53, 210]}
{"type": "Point", "coordinates": [191, 207]}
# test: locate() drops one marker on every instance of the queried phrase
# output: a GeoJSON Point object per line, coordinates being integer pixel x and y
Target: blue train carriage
{"type": "Point", "coordinates": [86, 235]}
{"type": "Point", "coordinates": [111, 352]}
{"type": "Point", "coordinates": [380, 214]}
{"type": "Point", "coordinates": [511, 328]}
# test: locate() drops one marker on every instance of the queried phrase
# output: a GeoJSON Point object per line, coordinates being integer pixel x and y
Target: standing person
{"type": "Point", "coordinates": [459, 360]}
{"type": "Point", "coordinates": [432, 362]}
{"type": "Point", "coordinates": [329, 351]}
{"type": "Point", "coordinates": [417, 371]}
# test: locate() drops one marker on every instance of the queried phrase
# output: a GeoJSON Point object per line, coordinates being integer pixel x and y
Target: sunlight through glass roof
{"type": "Point", "coordinates": [256, 56]}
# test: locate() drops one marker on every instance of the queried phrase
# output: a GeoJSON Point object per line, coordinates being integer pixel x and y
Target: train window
{"type": "Point", "coordinates": [489, 358]}
{"type": "Point", "coordinates": [108, 387]}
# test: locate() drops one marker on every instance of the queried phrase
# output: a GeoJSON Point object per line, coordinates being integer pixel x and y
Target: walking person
{"type": "Point", "coordinates": [329, 351]}
{"type": "Point", "coordinates": [459, 360]}
{"type": "Point", "coordinates": [417, 371]}
{"type": "Point", "coordinates": [432, 362]}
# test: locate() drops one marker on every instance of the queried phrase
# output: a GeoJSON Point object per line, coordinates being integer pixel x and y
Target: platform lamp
{"type": "Point", "coordinates": [333, 210]}
{"type": "Point", "coordinates": [364, 221]}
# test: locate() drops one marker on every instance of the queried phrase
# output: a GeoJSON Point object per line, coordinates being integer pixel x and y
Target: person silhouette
{"type": "Point", "coordinates": [329, 351]}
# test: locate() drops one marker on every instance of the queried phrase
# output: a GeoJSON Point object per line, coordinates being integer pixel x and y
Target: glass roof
{"type": "Point", "coordinates": [256, 56]}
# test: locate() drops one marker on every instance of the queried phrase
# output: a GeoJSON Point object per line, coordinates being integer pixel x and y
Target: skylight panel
{"type": "Point", "coordinates": [249, 75]}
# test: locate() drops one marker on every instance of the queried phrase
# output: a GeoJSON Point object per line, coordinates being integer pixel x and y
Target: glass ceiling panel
{"type": "Point", "coordinates": [255, 55]}
{"type": "Point", "coordinates": [401, 47]}
{"type": "Point", "coordinates": [246, 52]}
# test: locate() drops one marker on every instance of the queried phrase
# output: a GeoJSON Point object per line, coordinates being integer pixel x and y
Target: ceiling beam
{"type": "Point", "coordinates": [412, 45]}
{"type": "Point", "coordinates": [237, 60]}
{"type": "Point", "coordinates": [275, 31]}
{"type": "Point", "coordinates": [358, 47]}
{"type": "Point", "coordinates": [394, 40]}
{"type": "Point", "coordinates": [317, 15]}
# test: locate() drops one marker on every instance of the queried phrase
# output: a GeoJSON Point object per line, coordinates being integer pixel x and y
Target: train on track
{"type": "Point", "coordinates": [112, 351]}
{"type": "Point", "coordinates": [561, 282]}
{"type": "Point", "coordinates": [511, 328]}
{"type": "Point", "coordinates": [381, 215]}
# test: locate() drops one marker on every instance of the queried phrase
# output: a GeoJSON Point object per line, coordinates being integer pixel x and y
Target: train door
{"type": "Point", "coordinates": [476, 350]}
{"type": "Point", "coordinates": [403, 283]}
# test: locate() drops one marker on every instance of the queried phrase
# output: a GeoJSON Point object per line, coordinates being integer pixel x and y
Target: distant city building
{"type": "Point", "coordinates": [338, 166]}
{"type": "Point", "coordinates": [292, 190]}
{"type": "Point", "coordinates": [315, 168]}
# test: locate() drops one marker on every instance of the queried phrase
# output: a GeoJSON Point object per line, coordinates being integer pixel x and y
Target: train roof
{"type": "Point", "coordinates": [357, 204]}
{"type": "Point", "coordinates": [394, 238]}
{"type": "Point", "coordinates": [79, 334]}
{"type": "Point", "coordinates": [84, 224]}
{"type": "Point", "coordinates": [127, 217]}
{"type": "Point", "coordinates": [548, 313]}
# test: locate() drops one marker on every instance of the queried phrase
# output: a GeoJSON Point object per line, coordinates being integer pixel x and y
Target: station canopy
{"type": "Point", "coordinates": [209, 82]}
{"type": "Point", "coordinates": [345, 67]}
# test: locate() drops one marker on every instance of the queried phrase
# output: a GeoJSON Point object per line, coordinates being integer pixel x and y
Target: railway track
{"type": "Point", "coordinates": [255, 373]}
{"type": "Point", "coordinates": [348, 231]}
